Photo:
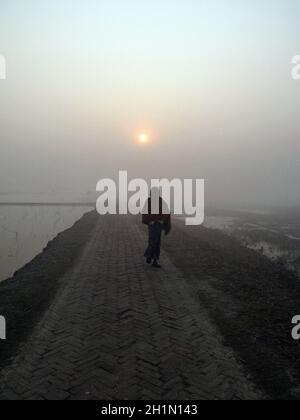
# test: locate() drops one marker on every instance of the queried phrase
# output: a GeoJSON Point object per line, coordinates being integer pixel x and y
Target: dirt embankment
{"type": "Point", "coordinates": [251, 299]}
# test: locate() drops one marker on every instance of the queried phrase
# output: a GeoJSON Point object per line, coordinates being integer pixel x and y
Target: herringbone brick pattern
{"type": "Point", "coordinates": [119, 330]}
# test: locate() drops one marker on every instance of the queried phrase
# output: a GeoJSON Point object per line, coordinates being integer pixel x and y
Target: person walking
{"type": "Point", "coordinates": [157, 217]}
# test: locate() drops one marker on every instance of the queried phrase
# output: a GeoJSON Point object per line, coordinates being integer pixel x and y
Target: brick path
{"type": "Point", "coordinates": [120, 330]}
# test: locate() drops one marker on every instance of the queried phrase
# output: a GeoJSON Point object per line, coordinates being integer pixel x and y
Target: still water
{"type": "Point", "coordinates": [26, 230]}
{"type": "Point", "coordinates": [275, 237]}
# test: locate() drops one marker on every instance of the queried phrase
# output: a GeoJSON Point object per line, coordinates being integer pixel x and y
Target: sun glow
{"type": "Point", "coordinates": [144, 138]}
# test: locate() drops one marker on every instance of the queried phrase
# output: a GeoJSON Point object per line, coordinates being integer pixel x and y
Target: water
{"type": "Point", "coordinates": [275, 236]}
{"type": "Point", "coordinates": [26, 230]}
{"type": "Point", "coordinates": [220, 222]}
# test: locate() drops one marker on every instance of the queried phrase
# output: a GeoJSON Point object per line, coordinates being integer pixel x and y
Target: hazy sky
{"type": "Point", "coordinates": [209, 80]}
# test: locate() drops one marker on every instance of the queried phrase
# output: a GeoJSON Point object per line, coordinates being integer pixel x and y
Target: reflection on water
{"type": "Point", "coordinates": [220, 222]}
{"type": "Point", "coordinates": [275, 237]}
{"type": "Point", "coordinates": [26, 230]}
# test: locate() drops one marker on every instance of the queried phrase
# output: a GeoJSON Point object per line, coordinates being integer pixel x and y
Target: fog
{"type": "Point", "coordinates": [209, 82]}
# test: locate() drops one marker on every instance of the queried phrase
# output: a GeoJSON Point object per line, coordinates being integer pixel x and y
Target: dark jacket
{"type": "Point", "coordinates": [148, 217]}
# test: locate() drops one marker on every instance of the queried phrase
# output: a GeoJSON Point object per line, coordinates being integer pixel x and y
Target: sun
{"type": "Point", "coordinates": [144, 138]}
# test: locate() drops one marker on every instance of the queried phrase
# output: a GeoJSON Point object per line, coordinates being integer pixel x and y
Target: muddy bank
{"type": "Point", "coordinates": [251, 299]}
{"type": "Point", "coordinates": [25, 297]}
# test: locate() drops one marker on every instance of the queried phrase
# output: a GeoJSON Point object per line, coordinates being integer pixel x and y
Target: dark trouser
{"type": "Point", "coordinates": [153, 250]}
